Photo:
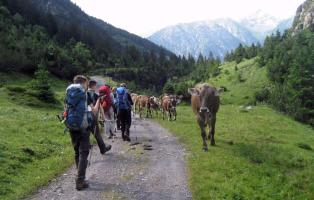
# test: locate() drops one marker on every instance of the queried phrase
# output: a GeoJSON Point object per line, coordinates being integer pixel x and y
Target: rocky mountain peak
{"type": "Point", "coordinates": [304, 18]}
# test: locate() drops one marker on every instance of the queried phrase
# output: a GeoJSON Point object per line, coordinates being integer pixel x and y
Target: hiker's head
{"type": "Point", "coordinates": [82, 80]}
{"type": "Point", "coordinates": [92, 84]}
{"type": "Point", "coordinates": [123, 85]}
{"type": "Point", "coordinates": [114, 89]}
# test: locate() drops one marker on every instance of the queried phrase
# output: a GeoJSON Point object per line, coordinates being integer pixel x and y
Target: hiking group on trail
{"type": "Point", "coordinates": [87, 106]}
{"type": "Point", "coordinates": [83, 111]}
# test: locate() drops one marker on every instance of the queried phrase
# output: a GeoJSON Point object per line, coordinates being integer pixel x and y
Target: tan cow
{"type": "Point", "coordinates": [143, 102]}
{"type": "Point", "coordinates": [135, 101]}
{"type": "Point", "coordinates": [169, 104]}
{"type": "Point", "coordinates": [205, 104]}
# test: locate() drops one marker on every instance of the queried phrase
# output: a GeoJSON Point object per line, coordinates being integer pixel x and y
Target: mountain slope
{"type": "Point", "coordinates": [217, 36]}
{"type": "Point", "coordinates": [65, 20]}
{"type": "Point", "coordinates": [282, 26]}
{"type": "Point", "coordinates": [260, 24]}
{"type": "Point", "coordinates": [68, 42]}
{"type": "Point", "coordinates": [304, 18]}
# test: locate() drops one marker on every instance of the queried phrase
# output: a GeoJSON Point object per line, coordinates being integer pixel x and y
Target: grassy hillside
{"type": "Point", "coordinates": [241, 80]}
{"type": "Point", "coordinates": [260, 153]}
{"type": "Point", "coordinates": [33, 147]}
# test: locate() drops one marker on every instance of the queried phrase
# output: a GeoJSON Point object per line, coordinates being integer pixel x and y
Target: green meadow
{"type": "Point", "coordinates": [33, 145]}
{"type": "Point", "coordinates": [259, 153]}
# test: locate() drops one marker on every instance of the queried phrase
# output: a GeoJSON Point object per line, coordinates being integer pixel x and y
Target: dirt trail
{"type": "Point", "coordinates": [129, 171]}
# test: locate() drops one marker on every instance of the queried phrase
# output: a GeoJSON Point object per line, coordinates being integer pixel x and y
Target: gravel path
{"type": "Point", "coordinates": [129, 171]}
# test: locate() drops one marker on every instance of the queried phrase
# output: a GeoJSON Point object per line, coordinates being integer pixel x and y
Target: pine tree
{"type": "Point", "coordinates": [41, 84]}
{"type": "Point", "coordinates": [300, 79]}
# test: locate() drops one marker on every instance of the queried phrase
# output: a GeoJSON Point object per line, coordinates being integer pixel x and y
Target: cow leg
{"type": "Point", "coordinates": [169, 115]}
{"type": "Point", "coordinates": [134, 110]}
{"type": "Point", "coordinates": [201, 124]}
{"type": "Point", "coordinates": [149, 113]}
{"type": "Point", "coordinates": [212, 131]}
{"type": "Point", "coordinates": [140, 111]}
{"type": "Point", "coordinates": [163, 114]}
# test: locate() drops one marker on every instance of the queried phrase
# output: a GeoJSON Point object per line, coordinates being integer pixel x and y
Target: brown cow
{"type": "Point", "coordinates": [135, 102]}
{"type": "Point", "coordinates": [155, 104]}
{"type": "Point", "coordinates": [144, 103]}
{"type": "Point", "coordinates": [205, 104]}
{"type": "Point", "coordinates": [169, 104]}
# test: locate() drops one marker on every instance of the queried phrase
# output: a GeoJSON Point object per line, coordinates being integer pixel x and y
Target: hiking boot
{"type": "Point", "coordinates": [111, 135]}
{"type": "Point", "coordinates": [123, 136]}
{"type": "Point", "coordinates": [108, 147]}
{"type": "Point", "coordinates": [81, 184]}
{"type": "Point", "coordinates": [127, 138]}
{"type": "Point", "coordinates": [105, 149]}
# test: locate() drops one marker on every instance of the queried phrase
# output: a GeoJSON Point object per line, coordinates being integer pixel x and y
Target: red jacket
{"type": "Point", "coordinates": [106, 102]}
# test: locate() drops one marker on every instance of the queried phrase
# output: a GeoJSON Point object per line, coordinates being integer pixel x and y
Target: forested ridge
{"type": "Point", "coordinates": [69, 42]}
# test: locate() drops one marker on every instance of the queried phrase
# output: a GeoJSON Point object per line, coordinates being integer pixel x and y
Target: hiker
{"type": "Point", "coordinates": [115, 110]}
{"type": "Point", "coordinates": [107, 106]}
{"type": "Point", "coordinates": [124, 104]}
{"type": "Point", "coordinates": [131, 102]}
{"type": "Point", "coordinates": [79, 120]}
{"type": "Point", "coordinates": [92, 98]}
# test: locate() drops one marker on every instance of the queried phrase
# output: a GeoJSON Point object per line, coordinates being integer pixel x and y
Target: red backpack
{"type": "Point", "coordinates": [106, 102]}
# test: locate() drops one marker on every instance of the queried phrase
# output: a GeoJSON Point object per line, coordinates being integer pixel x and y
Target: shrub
{"type": "Point", "coordinates": [17, 89]}
{"type": "Point", "coordinates": [169, 88]}
{"type": "Point", "coordinates": [41, 85]}
{"type": "Point", "coordinates": [182, 89]}
{"type": "Point", "coordinates": [305, 146]}
{"type": "Point", "coordinates": [262, 95]}
{"type": "Point", "coordinates": [224, 88]}
{"type": "Point", "coordinates": [241, 79]}
{"type": "Point", "coordinates": [2, 83]}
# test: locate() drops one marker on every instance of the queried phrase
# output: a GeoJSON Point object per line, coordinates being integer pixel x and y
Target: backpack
{"type": "Point", "coordinates": [122, 99]}
{"type": "Point", "coordinates": [91, 97]}
{"type": "Point", "coordinates": [106, 103]}
{"type": "Point", "coordinates": [77, 116]}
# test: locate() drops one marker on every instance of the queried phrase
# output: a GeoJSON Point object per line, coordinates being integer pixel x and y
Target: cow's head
{"type": "Point", "coordinates": [173, 101]}
{"type": "Point", "coordinates": [205, 94]}
{"type": "Point", "coordinates": [179, 98]}
{"type": "Point", "coordinates": [193, 92]}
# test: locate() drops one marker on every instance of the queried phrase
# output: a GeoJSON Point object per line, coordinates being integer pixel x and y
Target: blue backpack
{"type": "Point", "coordinates": [122, 99]}
{"type": "Point", "coordinates": [76, 107]}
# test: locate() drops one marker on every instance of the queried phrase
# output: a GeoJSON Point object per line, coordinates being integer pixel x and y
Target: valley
{"type": "Point", "coordinates": [262, 66]}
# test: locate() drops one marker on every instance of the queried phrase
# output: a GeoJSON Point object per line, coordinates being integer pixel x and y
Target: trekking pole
{"type": "Point", "coordinates": [90, 155]}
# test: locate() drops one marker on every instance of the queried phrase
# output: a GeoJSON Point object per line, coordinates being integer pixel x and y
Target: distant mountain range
{"type": "Point", "coordinates": [218, 36]}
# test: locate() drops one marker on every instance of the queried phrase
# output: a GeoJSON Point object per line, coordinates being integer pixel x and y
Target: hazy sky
{"type": "Point", "coordinates": [143, 17]}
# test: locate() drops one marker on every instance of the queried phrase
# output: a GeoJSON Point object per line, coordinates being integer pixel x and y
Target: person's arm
{"type": "Point", "coordinates": [130, 99]}
{"type": "Point", "coordinates": [95, 107]}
